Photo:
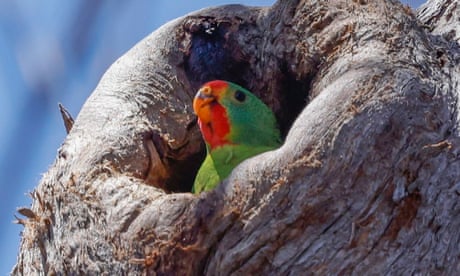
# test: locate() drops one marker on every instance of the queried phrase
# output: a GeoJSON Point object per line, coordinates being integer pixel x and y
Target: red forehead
{"type": "Point", "coordinates": [216, 84]}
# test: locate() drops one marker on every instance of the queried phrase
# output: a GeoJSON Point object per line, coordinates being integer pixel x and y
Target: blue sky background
{"type": "Point", "coordinates": [56, 51]}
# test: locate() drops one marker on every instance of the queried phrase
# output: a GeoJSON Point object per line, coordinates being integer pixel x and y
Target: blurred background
{"type": "Point", "coordinates": [55, 51]}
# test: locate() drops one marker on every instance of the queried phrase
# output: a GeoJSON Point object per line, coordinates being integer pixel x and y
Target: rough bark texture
{"type": "Point", "coordinates": [367, 181]}
{"type": "Point", "coordinates": [442, 18]}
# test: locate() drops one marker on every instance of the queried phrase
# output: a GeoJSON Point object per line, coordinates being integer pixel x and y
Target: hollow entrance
{"type": "Point", "coordinates": [214, 52]}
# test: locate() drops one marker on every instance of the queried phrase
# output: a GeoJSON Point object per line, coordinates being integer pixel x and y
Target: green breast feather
{"type": "Point", "coordinates": [226, 158]}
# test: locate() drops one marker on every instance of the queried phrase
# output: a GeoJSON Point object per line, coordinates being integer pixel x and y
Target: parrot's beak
{"type": "Point", "coordinates": [202, 103]}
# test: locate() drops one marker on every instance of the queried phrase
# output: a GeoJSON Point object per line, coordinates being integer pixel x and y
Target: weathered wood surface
{"type": "Point", "coordinates": [367, 181]}
{"type": "Point", "coordinates": [441, 18]}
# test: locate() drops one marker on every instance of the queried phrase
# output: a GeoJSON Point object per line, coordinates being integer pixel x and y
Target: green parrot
{"type": "Point", "coordinates": [235, 125]}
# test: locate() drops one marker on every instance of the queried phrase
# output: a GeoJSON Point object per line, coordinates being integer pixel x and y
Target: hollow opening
{"type": "Point", "coordinates": [293, 95]}
{"type": "Point", "coordinates": [181, 181]}
{"type": "Point", "coordinates": [213, 54]}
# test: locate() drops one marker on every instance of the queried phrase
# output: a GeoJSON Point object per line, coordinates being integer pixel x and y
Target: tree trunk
{"type": "Point", "coordinates": [366, 182]}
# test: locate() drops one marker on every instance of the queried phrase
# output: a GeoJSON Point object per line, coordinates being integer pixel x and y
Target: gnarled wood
{"type": "Point", "coordinates": [366, 182]}
{"type": "Point", "coordinates": [442, 17]}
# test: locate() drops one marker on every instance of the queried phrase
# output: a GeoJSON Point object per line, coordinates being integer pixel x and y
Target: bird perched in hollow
{"type": "Point", "coordinates": [235, 125]}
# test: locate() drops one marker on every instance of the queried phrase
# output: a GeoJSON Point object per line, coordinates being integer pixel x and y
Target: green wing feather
{"type": "Point", "coordinates": [207, 177]}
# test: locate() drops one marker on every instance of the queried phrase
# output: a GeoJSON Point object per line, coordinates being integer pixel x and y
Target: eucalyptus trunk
{"type": "Point", "coordinates": [366, 182]}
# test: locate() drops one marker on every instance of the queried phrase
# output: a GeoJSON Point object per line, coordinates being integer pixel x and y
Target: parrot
{"type": "Point", "coordinates": [235, 125]}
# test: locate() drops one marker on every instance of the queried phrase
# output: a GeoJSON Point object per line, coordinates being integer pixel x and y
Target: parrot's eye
{"type": "Point", "coordinates": [240, 96]}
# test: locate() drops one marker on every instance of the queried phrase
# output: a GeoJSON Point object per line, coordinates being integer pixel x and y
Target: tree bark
{"type": "Point", "coordinates": [442, 18]}
{"type": "Point", "coordinates": [366, 182]}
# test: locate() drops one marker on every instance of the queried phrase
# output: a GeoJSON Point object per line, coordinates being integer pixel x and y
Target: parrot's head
{"type": "Point", "coordinates": [228, 114]}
